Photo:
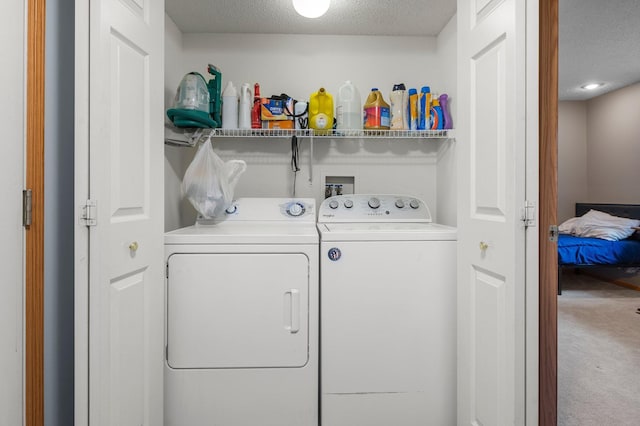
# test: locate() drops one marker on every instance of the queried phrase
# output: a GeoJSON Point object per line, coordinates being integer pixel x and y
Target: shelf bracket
{"type": "Point", "coordinates": [311, 158]}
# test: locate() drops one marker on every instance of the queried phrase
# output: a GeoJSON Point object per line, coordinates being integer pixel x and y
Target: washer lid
{"type": "Point", "coordinates": [245, 233]}
{"type": "Point", "coordinates": [401, 231]}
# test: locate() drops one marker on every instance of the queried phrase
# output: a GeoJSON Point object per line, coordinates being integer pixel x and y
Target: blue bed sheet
{"type": "Point", "coordinates": [595, 251]}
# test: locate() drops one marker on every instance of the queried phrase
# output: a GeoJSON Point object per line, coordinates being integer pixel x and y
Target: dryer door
{"type": "Point", "coordinates": [237, 310]}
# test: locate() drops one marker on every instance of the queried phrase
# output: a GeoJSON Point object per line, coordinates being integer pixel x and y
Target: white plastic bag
{"type": "Point", "coordinates": [209, 182]}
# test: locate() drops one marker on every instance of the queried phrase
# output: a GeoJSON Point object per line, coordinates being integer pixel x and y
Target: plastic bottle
{"type": "Point", "coordinates": [399, 102]}
{"type": "Point", "coordinates": [256, 122]}
{"type": "Point", "coordinates": [230, 107]}
{"type": "Point", "coordinates": [349, 109]}
{"type": "Point", "coordinates": [424, 108]}
{"type": "Point", "coordinates": [413, 109]}
{"type": "Point", "coordinates": [446, 112]}
{"type": "Point", "coordinates": [377, 114]}
{"type": "Point", "coordinates": [244, 111]}
{"type": "Point", "coordinates": [436, 115]}
{"type": "Point", "coordinates": [321, 111]}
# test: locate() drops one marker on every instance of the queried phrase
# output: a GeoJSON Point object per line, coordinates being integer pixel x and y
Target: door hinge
{"type": "Point", "coordinates": [89, 213]}
{"type": "Point", "coordinates": [167, 270]}
{"type": "Point", "coordinates": [528, 214]}
{"type": "Point", "coordinates": [27, 206]}
{"type": "Point", "coordinates": [553, 233]}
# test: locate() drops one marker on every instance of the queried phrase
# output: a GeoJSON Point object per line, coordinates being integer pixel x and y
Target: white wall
{"type": "Point", "coordinates": [174, 157]}
{"type": "Point", "coordinates": [572, 157]}
{"type": "Point", "coordinates": [447, 168]}
{"type": "Point", "coordinates": [12, 81]}
{"type": "Point", "coordinates": [598, 150]}
{"type": "Point", "coordinates": [298, 65]}
{"type": "Point", "coordinates": [613, 132]}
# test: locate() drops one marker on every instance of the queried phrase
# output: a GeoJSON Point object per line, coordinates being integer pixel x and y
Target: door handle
{"type": "Point", "coordinates": [294, 311]}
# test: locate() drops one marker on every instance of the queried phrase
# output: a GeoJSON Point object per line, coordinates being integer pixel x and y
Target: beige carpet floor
{"type": "Point", "coordinates": [598, 353]}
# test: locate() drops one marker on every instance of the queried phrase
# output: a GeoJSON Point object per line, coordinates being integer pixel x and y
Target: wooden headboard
{"type": "Point", "coordinates": [631, 211]}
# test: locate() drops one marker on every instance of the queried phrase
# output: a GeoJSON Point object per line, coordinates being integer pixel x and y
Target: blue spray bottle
{"type": "Point", "coordinates": [424, 106]}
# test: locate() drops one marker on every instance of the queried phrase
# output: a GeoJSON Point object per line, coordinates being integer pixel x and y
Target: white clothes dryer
{"type": "Point", "coordinates": [242, 317]}
{"type": "Point", "coordinates": [388, 313]}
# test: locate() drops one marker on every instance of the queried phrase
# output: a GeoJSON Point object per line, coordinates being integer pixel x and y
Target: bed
{"type": "Point", "coordinates": [584, 252]}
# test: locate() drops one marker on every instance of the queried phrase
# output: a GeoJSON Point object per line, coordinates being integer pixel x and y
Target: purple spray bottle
{"type": "Point", "coordinates": [444, 104]}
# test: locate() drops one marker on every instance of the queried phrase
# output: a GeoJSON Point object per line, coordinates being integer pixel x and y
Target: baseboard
{"type": "Point", "coordinates": [617, 282]}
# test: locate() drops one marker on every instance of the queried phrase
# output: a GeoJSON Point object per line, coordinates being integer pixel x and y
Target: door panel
{"type": "Point", "coordinates": [223, 314]}
{"type": "Point", "coordinates": [128, 349]}
{"type": "Point", "coordinates": [126, 279]}
{"type": "Point", "coordinates": [130, 146]}
{"type": "Point", "coordinates": [491, 280]}
{"type": "Point", "coordinates": [487, 138]}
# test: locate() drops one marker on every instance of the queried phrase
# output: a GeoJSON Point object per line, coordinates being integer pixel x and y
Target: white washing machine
{"type": "Point", "coordinates": [242, 317]}
{"type": "Point", "coordinates": [388, 313]}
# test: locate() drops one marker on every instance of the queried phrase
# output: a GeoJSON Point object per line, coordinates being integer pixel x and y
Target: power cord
{"type": "Point", "coordinates": [295, 155]}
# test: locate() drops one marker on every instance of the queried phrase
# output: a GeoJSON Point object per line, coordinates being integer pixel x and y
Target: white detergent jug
{"type": "Point", "coordinates": [399, 106]}
{"type": "Point", "coordinates": [246, 102]}
{"type": "Point", "coordinates": [349, 109]}
{"type": "Point", "coordinates": [230, 107]}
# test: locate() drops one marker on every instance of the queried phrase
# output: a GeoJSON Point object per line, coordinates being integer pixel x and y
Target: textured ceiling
{"type": "Point", "coordinates": [355, 17]}
{"type": "Point", "coordinates": [599, 39]}
{"type": "Point", "coordinates": [599, 42]}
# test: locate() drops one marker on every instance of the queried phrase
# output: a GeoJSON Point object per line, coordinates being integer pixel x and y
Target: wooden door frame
{"type": "Point", "coordinates": [548, 195]}
{"type": "Point", "coordinates": [34, 234]}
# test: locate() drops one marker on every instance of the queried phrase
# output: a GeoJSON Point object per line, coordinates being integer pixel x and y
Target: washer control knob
{"type": "Point", "coordinates": [399, 203]}
{"type": "Point", "coordinates": [333, 204]}
{"type": "Point", "coordinates": [295, 209]}
{"type": "Point", "coordinates": [231, 209]}
{"type": "Point", "coordinates": [414, 204]}
{"type": "Point", "coordinates": [348, 203]}
{"type": "Point", "coordinates": [374, 203]}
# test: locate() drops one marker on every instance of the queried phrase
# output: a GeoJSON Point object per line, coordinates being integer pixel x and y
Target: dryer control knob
{"type": "Point", "coordinates": [399, 203]}
{"type": "Point", "coordinates": [374, 203]}
{"type": "Point", "coordinates": [231, 209]}
{"type": "Point", "coordinates": [333, 204]}
{"type": "Point", "coordinates": [414, 204]}
{"type": "Point", "coordinates": [348, 203]}
{"type": "Point", "coordinates": [295, 209]}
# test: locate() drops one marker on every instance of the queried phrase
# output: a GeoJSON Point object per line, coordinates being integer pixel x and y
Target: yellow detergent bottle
{"type": "Point", "coordinates": [377, 113]}
{"type": "Point", "coordinates": [321, 112]}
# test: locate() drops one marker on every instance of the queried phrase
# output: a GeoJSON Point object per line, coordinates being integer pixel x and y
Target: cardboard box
{"type": "Point", "coordinates": [279, 124]}
{"type": "Point", "coordinates": [274, 109]}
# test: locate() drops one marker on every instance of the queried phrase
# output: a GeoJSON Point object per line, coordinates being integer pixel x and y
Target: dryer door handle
{"type": "Point", "coordinates": [294, 310]}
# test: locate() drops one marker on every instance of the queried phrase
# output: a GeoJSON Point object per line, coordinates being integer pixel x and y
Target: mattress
{"type": "Point", "coordinates": [595, 251]}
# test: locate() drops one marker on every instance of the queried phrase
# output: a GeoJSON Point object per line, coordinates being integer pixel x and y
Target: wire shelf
{"type": "Point", "coordinates": [199, 135]}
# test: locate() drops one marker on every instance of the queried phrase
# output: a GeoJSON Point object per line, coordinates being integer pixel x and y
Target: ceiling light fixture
{"type": "Point", "coordinates": [311, 8]}
{"type": "Point", "coordinates": [591, 86]}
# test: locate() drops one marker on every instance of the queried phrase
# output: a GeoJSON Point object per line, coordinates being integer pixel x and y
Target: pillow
{"type": "Point", "coordinates": [597, 224]}
{"type": "Point", "coordinates": [569, 225]}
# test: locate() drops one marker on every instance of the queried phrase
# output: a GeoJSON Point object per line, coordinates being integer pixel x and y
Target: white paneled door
{"type": "Point", "coordinates": [125, 246]}
{"type": "Point", "coordinates": [491, 257]}
{"type": "Point", "coordinates": [12, 87]}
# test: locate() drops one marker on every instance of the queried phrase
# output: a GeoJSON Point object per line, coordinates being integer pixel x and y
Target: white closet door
{"type": "Point", "coordinates": [491, 272]}
{"type": "Point", "coordinates": [12, 83]}
{"type": "Point", "coordinates": [125, 263]}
